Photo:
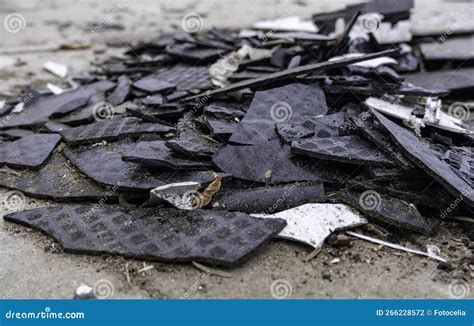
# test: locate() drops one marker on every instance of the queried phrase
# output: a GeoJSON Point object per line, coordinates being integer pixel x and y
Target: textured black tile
{"type": "Point", "coordinates": [422, 156]}
{"type": "Point", "coordinates": [389, 211]}
{"type": "Point", "coordinates": [345, 149]}
{"type": "Point", "coordinates": [461, 160]}
{"type": "Point", "coordinates": [29, 151]}
{"type": "Point", "coordinates": [104, 164]}
{"type": "Point", "coordinates": [153, 84]}
{"type": "Point", "coordinates": [166, 235]}
{"type": "Point", "coordinates": [452, 80]}
{"type": "Point", "coordinates": [156, 113]}
{"type": "Point", "coordinates": [293, 103]}
{"type": "Point", "coordinates": [58, 180]}
{"type": "Point", "coordinates": [186, 77]}
{"type": "Point", "coordinates": [194, 54]}
{"type": "Point", "coordinates": [121, 91]}
{"type": "Point", "coordinates": [113, 129]}
{"type": "Point", "coordinates": [40, 110]}
{"type": "Point", "coordinates": [270, 200]}
{"type": "Point", "coordinates": [193, 145]}
{"type": "Point", "coordinates": [289, 132]}
{"type": "Point", "coordinates": [155, 153]}
{"type": "Point", "coordinates": [255, 162]}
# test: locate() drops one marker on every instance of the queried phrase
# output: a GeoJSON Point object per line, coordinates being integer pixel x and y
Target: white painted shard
{"type": "Point", "coordinates": [288, 24]}
{"type": "Point", "coordinates": [56, 69]}
{"type": "Point", "coordinates": [313, 223]}
{"type": "Point", "coordinates": [181, 195]}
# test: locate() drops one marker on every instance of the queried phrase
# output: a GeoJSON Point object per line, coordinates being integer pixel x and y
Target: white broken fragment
{"type": "Point", "coordinates": [287, 24]}
{"type": "Point", "coordinates": [313, 223]}
{"type": "Point", "coordinates": [227, 65]}
{"type": "Point", "coordinates": [432, 253]}
{"type": "Point", "coordinates": [56, 90]}
{"type": "Point", "coordinates": [438, 119]}
{"type": "Point", "coordinates": [179, 194]}
{"type": "Point", "coordinates": [56, 69]}
{"type": "Point", "coordinates": [373, 63]}
{"type": "Point", "coordinates": [387, 33]}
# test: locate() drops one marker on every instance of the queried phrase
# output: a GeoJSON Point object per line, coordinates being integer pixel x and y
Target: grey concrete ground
{"type": "Point", "coordinates": [33, 266]}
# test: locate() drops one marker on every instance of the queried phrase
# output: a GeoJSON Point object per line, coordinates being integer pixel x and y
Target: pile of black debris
{"type": "Point", "coordinates": [202, 147]}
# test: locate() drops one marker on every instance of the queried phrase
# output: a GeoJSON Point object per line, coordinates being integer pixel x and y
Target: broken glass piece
{"type": "Point", "coordinates": [155, 153]}
{"type": "Point", "coordinates": [112, 130]}
{"type": "Point", "coordinates": [57, 180]}
{"type": "Point", "coordinates": [346, 149]}
{"type": "Point", "coordinates": [293, 103]}
{"type": "Point", "coordinates": [269, 200]}
{"type": "Point", "coordinates": [422, 156]}
{"type": "Point", "coordinates": [30, 151]}
{"type": "Point", "coordinates": [166, 235]}
{"type": "Point", "coordinates": [313, 223]}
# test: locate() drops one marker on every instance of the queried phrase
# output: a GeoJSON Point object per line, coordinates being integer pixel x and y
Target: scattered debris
{"type": "Point", "coordinates": [398, 247]}
{"type": "Point", "coordinates": [314, 125]}
{"type": "Point", "coordinates": [211, 271]}
{"type": "Point", "coordinates": [84, 292]}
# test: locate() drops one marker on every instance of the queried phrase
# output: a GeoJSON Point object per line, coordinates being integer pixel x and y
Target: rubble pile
{"type": "Point", "coordinates": [203, 147]}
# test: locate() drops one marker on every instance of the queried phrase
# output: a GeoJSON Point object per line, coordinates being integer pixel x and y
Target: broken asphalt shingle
{"type": "Point", "coordinates": [113, 129]}
{"type": "Point", "coordinates": [257, 162]}
{"type": "Point", "coordinates": [39, 111]}
{"type": "Point", "coordinates": [388, 211]}
{"type": "Point", "coordinates": [57, 180]}
{"type": "Point", "coordinates": [346, 149]}
{"type": "Point", "coordinates": [423, 156]}
{"type": "Point", "coordinates": [293, 103]}
{"type": "Point", "coordinates": [193, 145]}
{"type": "Point", "coordinates": [121, 91]}
{"type": "Point", "coordinates": [29, 151]}
{"type": "Point", "coordinates": [104, 164]}
{"type": "Point", "coordinates": [292, 73]}
{"type": "Point", "coordinates": [167, 235]}
{"type": "Point", "coordinates": [156, 154]}
{"type": "Point", "coordinates": [270, 199]}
